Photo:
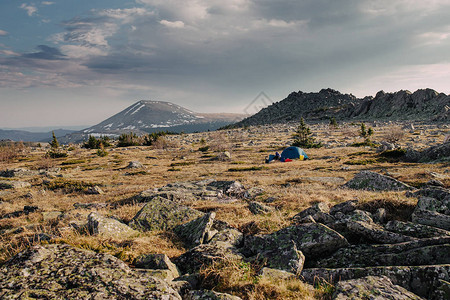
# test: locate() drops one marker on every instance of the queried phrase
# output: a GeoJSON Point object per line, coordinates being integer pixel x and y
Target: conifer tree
{"type": "Point", "coordinates": [54, 143]}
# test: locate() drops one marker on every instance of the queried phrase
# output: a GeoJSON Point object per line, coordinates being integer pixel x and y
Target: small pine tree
{"type": "Point", "coordinates": [365, 133]}
{"type": "Point", "coordinates": [333, 122]}
{"type": "Point", "coordinates": [54, 143]}
{"type": "Point", "coordinates": [302, 137]}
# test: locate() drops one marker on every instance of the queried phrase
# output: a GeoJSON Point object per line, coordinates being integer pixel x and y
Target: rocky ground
{"type": "Point", "coordinates": [179, 223]}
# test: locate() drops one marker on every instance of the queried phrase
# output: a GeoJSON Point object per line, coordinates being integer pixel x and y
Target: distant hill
{"type": "Point", "coordinates": [149, 116]}
{"type": "Point", "coordinates": [26, 136]}
{"type": "Point", "coordinates": [424, 104]}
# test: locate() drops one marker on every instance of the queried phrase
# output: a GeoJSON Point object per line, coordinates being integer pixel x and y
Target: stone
{"type": "Point", "coordinates": [230, 188]}
{"type": "Point", "coordinates": [135, 165]}
{"type": "Point", "coordinates": [435, 182]}
{"type": "Point", "coordinates": [415, 230]}
{"type": "Point", "coordinates": [206, 254]}
{"type": "Point", "coordinates": [344, 207]}
{"type": "Point", "coordinates": [209, 295]}
{"type": "Point", "coordinates": [424, 281]}
{"type": "Point", "coordinates": [196, 232]}
{"type": "Point", "coordinates": [223, 232]}
{"type": "Point", "coordinates": [258, 208]}
{"type": "Point", "coordinates": [313, 240]}
{"type": "Point", "coordinates": [440, 205]}
{"type": "Point", "coordinates": [418, 252]}
{"type": "Point", "coordinates": [319, 212]}
{"type": "Point", "coordinates": [94, 190]}
{"type": "Point", "coordinates": [431, 192]}
{"type": "Point", "coordinates": [58, 271]}
{"type": "Point", "coordinates": [431, 218]}
{"type": "Point", "coordinates": [157, 262]}
{"type": "Point", "coordinates": [109, 227]}
{"type": "Point", "coordinates": [368, 180]}
{"type": "Point", "coordinates": [380, 215]}
{"type": "Point", "coordinates": [18, 172]}
{"type": "Point", "coordinates": [376, 233]}
{"type": "Point", "coordinates": [162, 214]}
{"type": "Point", "coordinates": [13, 184]}
{"type": "Point", "coordinates": [371, 287]}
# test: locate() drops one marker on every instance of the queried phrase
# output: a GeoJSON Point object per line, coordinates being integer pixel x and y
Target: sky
{"type": "Point", "coordinates": [77, 62]}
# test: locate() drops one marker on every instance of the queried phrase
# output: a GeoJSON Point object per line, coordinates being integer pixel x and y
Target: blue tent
{"type": "Point", "coordinates": [293, 153]}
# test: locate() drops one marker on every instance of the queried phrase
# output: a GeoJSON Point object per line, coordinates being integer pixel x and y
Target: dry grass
{"type": "Point", "coordinates": [288, 187]}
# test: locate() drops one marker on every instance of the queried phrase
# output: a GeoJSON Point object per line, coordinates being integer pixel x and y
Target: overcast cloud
{"type": "Point", "coordinates": [211, 55]}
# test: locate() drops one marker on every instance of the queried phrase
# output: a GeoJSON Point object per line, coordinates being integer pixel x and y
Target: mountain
{"type": "Point", "coordinates": [425, 104]}
{"type": "Point", "coordinates": [149, 116]}
{"type": "Point", "coordinates": [26, 136]}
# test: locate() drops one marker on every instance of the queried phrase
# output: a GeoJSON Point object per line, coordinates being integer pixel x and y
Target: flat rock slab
{"type": "Point", "coordinates": [60, 271]}
{"type": "Point", "coordinates": [371, 181]}
{"type": "Point", "coordinates": [424, 281]}
{"type": "Point", "coordinates": [431, 218]}
{"type": "Point", "coordinates": [372, 287]}
{"type": "Point", "coordinates": [415, 230]}
{"type": "Point", "coordinates": [418, 252]}
{"type": "Point", "coordinates": [163, 214]}
{"type": "Point", "coordinates": [312, 239]}
{"type": "Point", "coordinates": [13, 185]}
{"type": "Point", "coordinates": [109, 227]}
{"type": "Point", "coordinates": [197, 231]}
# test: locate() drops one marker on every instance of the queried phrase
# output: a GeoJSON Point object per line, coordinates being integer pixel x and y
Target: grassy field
{"type": "Point", "coordinates": [290, 187]}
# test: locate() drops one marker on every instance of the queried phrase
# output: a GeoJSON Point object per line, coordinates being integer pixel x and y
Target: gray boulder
{"type": "Point", "coordinates": [344, 207]}
{"type": "Point", "coordinates": [424, 281]}
{"type": "Point", "coordinates": [109, 227]}
{"type": "Point", "coordinates": [313, 239]}
{"type": "Point", "coordinates": [162, 214]}
{"type": "Point", "coordinates": [135, 165]}
{"type": "Point", "coordinates": [206, 254]}
{"type": "Point", "coordinates": [18, 172]}
{"type": "Point", "coordinates": [440, 205]}
{"type": "Point", "coordinates": [431, 218]}
{"type": "Point", "coordinates": [222, 232]}
{"type": "Point", "coordinates": [371, 287]}
{"type": "Point", "coordinates": [13, 185]}
{"type": "Point", "coordinates": [367, 180]}
{"type": "Point", "coordinates": [58, 271]}
{"type": "Point", "coordinates": [319, 212]}
{"type": "Point", "coordinates": [420, 252]}
{"type": "Point", "coordinates": [197, 231]}
{"type": "Point", "coordinates": [415, 230]}
{"type": "Point", "coordinates": [159, 263]}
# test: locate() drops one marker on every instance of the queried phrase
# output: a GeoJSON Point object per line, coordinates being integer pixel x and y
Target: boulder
{"type": "Point", "coordinates": [109, 227]}
{"type": "Point", "coordinates": [206, 254]}
{"type": "Point", "coordinates": [197, 231]}
{"type": "Point", "coordinates": [431, 218]}
{"type": "Point", "coordinates": [419, 252]}
{"type": "Point", "coordinates": [440, 205]}
{"type": "Point", "coordinates": [367, 180]}
{"type": "Point", "coordinates": [276, 274]}
{"type": "Point", "coordinates": [424, 281]}
{"type": "Point", "coordinates": [230, 188]}
{"type": "Point", "coordinates": [94, 190]}
{"type": "Point", "coordinates": [319, 212]}
{"type": "Point", "coordinates": [415, 230]}
{"type": "Point", "coordinates": [371, 287]}
{"type": "Point", "coordinates": [258, 208]}
{"type": "Point", "coordinates": [59, 271]}
{"type": "Point", "coordinates": [344, 207]}
{"type": "Point", "coordinates": [18, 172]}
{"type": "Point", "coordinates": [157, 262]}
{"type": "Point", "coordinates": [313, 239]}
{"type": "Point", "coordinates": [222, 232]}
{"type": "Point", "coordinates": [162, 214]}
{"type": "Point", "coordinates": [208, 295]}
{"type": "Point", "coordinates": [135, 165]}
{"type": "Point", "coordinates": [432, 192]}
{"type": "Point", "coordinates": [13, 185]}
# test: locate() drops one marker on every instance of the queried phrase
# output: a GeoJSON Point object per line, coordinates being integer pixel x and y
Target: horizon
{"type": "Point", "coordinates": [63, 64]}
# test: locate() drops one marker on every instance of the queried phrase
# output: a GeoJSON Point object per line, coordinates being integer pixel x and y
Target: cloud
{"type": "Point", "coordinates": [30, 9]}
{"type": "Point", "coordinates": [46, 52]}
{"type": "Point", "coordinates": [47, 3]}
{"type": "Point", "coordinates": [176, 24]}
{"type": "Point", "coordinates": [3, 33]}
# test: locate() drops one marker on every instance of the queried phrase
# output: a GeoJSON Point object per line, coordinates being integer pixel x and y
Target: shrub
{"type": "Point", "coordinates": [129, 139]}
{"type": "Point", "coordinates": [303, 138]}
{"type": "Point", "coordinates": [94, 143]}
{"type": "Point", "coordinates": [395, 135]}
{"type": "Point", "coordinates": [10, 151]}
{"type": "Point", "coordinates": [203, 149]}
{"type": "Point", "coordinates": [68, 185]}
{"type": "Point", "coordinates": [365, 133]}
{"type": "Point", "coordinates": [333, 123]}
{"type": "Point", "coordinates": [396, 153]}
{"type": "Point", "coordinates": [55, 154]}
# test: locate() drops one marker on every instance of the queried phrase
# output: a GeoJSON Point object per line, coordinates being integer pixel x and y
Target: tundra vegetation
{"type": "Point", "coordinates": [245, 212]}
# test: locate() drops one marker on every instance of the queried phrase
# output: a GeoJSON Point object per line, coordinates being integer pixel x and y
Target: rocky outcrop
{"type": "Point", "coordinates": [376, 287]}
{"type": "Point", "coordinates": [434, 153]}
{"type": "Point", "coordinates": [258, 208]}
{"type": "Point", "coordinates": [13, 184]}
{"type": "Point", "coordinates": [160, 265]}
{"type": "Point", "coordinates": [162, 214]}
{"type": "Point", "coordinates": [196, 232]}
{"type": "Point", "coordinates": [109, 227]}
{"type": "Point", "coordinates": [367, 180]}
{"type": "Point", "coordinates": [61, 271]}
